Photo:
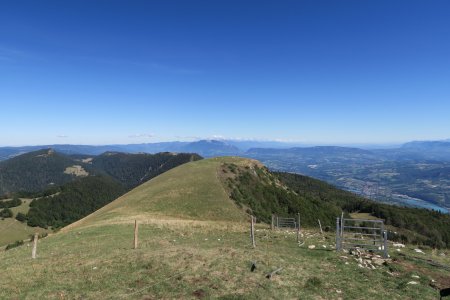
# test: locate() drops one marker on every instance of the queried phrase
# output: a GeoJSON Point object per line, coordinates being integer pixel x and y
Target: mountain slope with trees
{"type": "Point", "coordinates": [61, 197]}
{"type": "Point", "coordinates": [264, 193]}
{"type": "Point", "coordinates": [35, 171]}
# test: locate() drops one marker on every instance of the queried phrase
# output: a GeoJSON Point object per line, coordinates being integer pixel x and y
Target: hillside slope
{"type": "Point", "coordinates": [194, 244]}
{"type": "Point", "coordinates": [191, 191]}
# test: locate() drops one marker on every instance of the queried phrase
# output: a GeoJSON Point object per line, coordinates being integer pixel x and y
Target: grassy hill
{"type": "Point", "coordinates": [12, 230]}
{"type": "Point", "coordinates": [192, 191]}
{"type": "Point", "coordinates": [194, 244]}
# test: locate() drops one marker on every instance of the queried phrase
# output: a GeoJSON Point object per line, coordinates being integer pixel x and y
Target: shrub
{"type": "Point", "coordinates": [14, 245]}
{"type": "Point", "coordinates": [6, 213]}
{"type": "Point", "coordinates": [21, 217]}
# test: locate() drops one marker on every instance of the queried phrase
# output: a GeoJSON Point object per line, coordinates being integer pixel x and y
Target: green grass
{"type": "Point", "coordinates": [182, 261]}
{"type": "Point", "coordinates": [194, 243]}
{"type": "Point", "coordinates": [12, 230]}
{"type": "Point", "coordinates": [191, 191]}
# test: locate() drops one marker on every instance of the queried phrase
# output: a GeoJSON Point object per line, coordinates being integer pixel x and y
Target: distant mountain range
{"type": "Point", "coordinates": [206, 148]}
{"type": "Point", "coordinates": [438, 150]}
{"type": "Point", "coordinates": [415, 173]}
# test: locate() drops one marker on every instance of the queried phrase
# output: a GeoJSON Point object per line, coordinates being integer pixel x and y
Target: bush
{"type": "Point", "coordinates": [6, 213]}
{"type": "Point", "coordinates": [14, 245]}
{"type": "Point", "coordinates": [10, 203]}
{"type": "Point", "coordinates": [21, 217]}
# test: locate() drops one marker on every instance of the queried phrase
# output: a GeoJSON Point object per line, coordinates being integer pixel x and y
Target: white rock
{"type": "Point", "coordinates": [398, 245]}
{"type": "Point", "coordinates": [360, 265]}
{"type": "Point", "coordinates": [415, 276]}
{"type": "Point", "coordinates": [311, 246]}
{"type": "Point", "coordinates": [413, 282]}
{"type": "Point", "coordinates": [339, 291]}
{"type": "Point", "coordinates": [324, 246]}
{"type": "Point", "coordinates": [419, 251]}
{"type": "Point", "coordinates": [398, 250]}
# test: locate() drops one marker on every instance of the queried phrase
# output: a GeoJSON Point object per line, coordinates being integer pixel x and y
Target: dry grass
{"type": "Point", "coordinates": [76, 170]}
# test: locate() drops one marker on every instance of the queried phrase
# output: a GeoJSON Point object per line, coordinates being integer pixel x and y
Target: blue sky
{"type": "Point", "coordinates": [333, 72]}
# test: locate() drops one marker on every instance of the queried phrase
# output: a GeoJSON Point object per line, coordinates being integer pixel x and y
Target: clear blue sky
{"type": "Point", "coordinates": [97, 72]}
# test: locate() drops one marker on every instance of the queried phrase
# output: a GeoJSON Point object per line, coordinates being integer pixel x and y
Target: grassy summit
{"type": "Point", "coordinates": [191, 191]}
{"type": "Point", "coordinates": [194, 243]}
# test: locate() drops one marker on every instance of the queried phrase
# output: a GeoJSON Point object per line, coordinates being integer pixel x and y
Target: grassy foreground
{"type": "Point", "coordinates": [177, 259]}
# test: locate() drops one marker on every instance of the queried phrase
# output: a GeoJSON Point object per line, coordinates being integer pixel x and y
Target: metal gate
{"type": "Point", "coordinates": [361, 233]}
{"type": "Point", "coordinates": [285, 223]}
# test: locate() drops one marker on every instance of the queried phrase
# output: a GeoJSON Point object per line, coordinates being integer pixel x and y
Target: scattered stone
{"type": "Point", "coordinates": [94, 268]}
{"type": "Point", "coordinates": [413, 282]}
{"type": "Point", "coordinates": [415, 276]}
{"type": "Point", "coordinates": [339, 291]}
{"type": "Point", "coordinates": [344, 257]}
{"type": "Point", "coordinates": [360, 265]}
{"type": "Point", "coordinates": [311, 246]}
{"type": "Point", "coordinates": [398, 250]}
{"type": "Point", "coordinates": [378, 261]}
{"type": "Point", "coordinates": [419, 251]}
{"type": "Point", "coordinates": [324, 246]}
{"type": "Point", "coordinates": [433, 284]}
{"type": "Point", "coordinates": [398, 245]}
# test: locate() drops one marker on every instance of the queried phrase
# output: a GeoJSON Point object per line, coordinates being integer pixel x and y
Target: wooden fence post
{"type": "Point", "coordinates": [320, 226]}
{"type": "Point", "coordinates": [385, 244]}
{"type": "Point", "coordinates": [35, 240]}
{"type": "Point", "coordinates": [252, 232]}
{"type": "Point", "coordinates": [338, 233]}
{"type": "Point", "coordinates": [298, 228]}
{"type": "Point", "coordinates": [136, 227]}
{"type": "Point", "coordinates": [271, 226]}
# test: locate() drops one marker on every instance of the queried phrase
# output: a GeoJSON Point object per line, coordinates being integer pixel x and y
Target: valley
{"type": "Point", "coordinates": [409, 182]}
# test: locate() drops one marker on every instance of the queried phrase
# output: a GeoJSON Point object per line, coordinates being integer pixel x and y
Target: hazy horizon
{"type": "Point", "coordinates": [281, 142]}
